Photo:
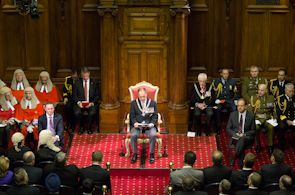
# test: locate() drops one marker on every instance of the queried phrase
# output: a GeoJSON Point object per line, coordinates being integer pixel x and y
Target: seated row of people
{"type": "Point", "coordinates": [270, 173]}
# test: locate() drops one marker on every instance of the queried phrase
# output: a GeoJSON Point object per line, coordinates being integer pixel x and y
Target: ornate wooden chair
{"type": "Point", "coordinates": [152, 93]}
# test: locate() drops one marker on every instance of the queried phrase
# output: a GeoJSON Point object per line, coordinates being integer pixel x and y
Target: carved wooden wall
{"type": "Point", "coordinates": [165, 42]}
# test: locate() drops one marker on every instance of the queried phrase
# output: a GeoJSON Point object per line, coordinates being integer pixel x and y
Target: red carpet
{"type": "Point", "coordinates": [110, 145]}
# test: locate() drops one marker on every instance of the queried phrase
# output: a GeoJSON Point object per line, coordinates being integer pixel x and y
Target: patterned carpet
{"type": "Point", "coordinates": [110, 145]}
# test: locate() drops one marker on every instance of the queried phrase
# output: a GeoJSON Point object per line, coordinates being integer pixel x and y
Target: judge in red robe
{"type": "Point", "coordinates": [18, 84]}
{"type": "Point", "coordinates": [28, 112]}
{"type": "Point", "coordinates": [45, 90]}
{"type": "Point", "coordinates": [8, 106]}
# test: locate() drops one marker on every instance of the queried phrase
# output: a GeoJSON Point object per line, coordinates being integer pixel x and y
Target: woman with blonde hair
{"type": "Point", "coordinates": [6, 175]}
{"type": "Point", "coordinates": [17, 151]}
{"type": "Point", "coordinates": [45, 90]}
{"type": "Point", "coordinates": [19, 83]}
{"type": "Point", "coordinates": [46, 148]}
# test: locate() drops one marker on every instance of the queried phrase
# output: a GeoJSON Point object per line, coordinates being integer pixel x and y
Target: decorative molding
{"type": "Point", "coordinates": [180, 9]}
{"type": "Point", "coordinates": [102, 10]}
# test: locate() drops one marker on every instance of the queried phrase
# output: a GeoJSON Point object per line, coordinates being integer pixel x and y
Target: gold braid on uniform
{"type": "Point", "coordinates": [218, 89]}
{"type": "Point", "coordinates": [274, 89]}
{"type": "Point", "coordinates": [67, 86]}
{"type": "Point", "coordinates": [282, 106]}
{"type": "Point", "coordinates": [255, 105]}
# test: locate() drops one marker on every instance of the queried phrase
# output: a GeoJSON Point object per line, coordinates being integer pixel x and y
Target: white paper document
{"type": "Point", "coordinates": [257, 122]}
{"type": "Point", "coordinates": [191, 134]}
{"type": "Point", "coordinates": [273, 122]}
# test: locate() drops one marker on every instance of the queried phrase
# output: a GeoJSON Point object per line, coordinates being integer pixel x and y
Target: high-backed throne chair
{"type": "Point", "coordinates": [152, 93]}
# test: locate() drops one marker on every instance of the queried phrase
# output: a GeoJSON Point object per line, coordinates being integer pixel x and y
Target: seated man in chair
{"type": "Point", "coordinates": [143, 117]}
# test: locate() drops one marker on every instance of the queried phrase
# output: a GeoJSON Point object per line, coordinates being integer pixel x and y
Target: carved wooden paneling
{"type": "Point", "coordinates": [265, 41]}
{"type": "Point", "coordinates": [143, 62]}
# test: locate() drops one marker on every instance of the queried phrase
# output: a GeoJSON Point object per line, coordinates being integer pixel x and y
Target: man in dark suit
{"type": "Point", "coordinates": [85, 97]}
{"type": "Point", "coordinates": [34, 173]}
{"type": "Point", "coordinates": [21, 186]}
{"type": "Point", "coordinates": [217, 172]}
{"type": "Point", "coordinates": [239, 178]}
{"type": "Point", "coordinates": [285, 186]}
{"type": "Point", "coordinates": [277, 86]}
{"type": "Point", "coordinates": [271, 173]}
{"type": "Point", "coordinates": [254, 181]}
{"type": "Point", "coordinates": [286, 113]}
{"type": "Point", "coordinates": [202, 101]}
{"type": "Point", "coordinates": [95, 172]}
{"type": "Point", "coordinates": [143, 118]}
{"type": "Point", "coordinates": [68, 174]}
{"type": "Point", "coordinates": [52, 121]}
{"type": "Point", "coordinates": [241, 128]}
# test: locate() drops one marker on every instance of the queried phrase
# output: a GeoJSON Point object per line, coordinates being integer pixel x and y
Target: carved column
{"type": "Point", "coordinates": [109, 109]}
{"type": "Point", "coordinates": [178, 70]}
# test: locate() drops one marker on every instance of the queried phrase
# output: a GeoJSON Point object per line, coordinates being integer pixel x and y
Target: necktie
{"type": "Point", "coordinates": [51, 127]}
{"type": "Point", "coordinates": [85, 90]}
{"type": "Point", "coordinates": [241, 124]}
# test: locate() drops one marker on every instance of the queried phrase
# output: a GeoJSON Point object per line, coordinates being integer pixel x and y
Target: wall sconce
{"type": "Point", "coordinates": [25, 7]}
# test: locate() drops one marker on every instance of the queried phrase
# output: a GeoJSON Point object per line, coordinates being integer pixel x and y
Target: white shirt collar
{"type": "Point", "coordinates": [29, 104]}
{"type": "Point", "coordinates": [187, 166]}
{"type": "Point", "coordinates": [20, 86]}
{"type": "Point", "coordinates": [44, 87]}
{"type": "Point", "coordinates": [49, 115]}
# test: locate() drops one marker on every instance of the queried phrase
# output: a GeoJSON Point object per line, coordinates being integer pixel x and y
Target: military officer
{"type": "Point", "coordinates": [286, 113]}
{"type": "Point", "coordinates": [277, 86]}
{"type": "Point", "coordinates": [67, 97]}
{"type": "Point", "coordinates": [250, 84]}
{"type": "Point", "coordinates": [202, 101]}
{"type": "Point", "coordinates": [262, 105]}
{"type": "Point", "coordinates": [226, 92]}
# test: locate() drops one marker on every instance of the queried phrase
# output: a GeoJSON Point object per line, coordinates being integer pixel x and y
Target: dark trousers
{"type": "Point", "coordinates": [283, 127]}
{"type": "Point", "coordinates": [91, 113]}
{"type": "Point", "coordinates": [197, 119]}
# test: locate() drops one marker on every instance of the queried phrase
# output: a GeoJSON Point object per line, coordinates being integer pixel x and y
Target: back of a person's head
{"type": "Point", "coordinates": [254, 179]}
{"type": "Point", "coordinates": [97, 156]}
{"type": "Point", "coordinates": [60, 159]}
{"type": "Point", "coordinates": [285, 182]}
{"type": "Point", "coordinates": [190, 158]}
{"type": "Point", "coordinates": [249, 160]}
{"type": "Point", "coordinates": [224, 186]}
{"type": "Point", "coordinates": [217, 157]}
{"type": "Point", "coordinates": [52, 183]}
{"type": "Point", "coordinates": [21, 177]}
{"type": "Point", "coordinates": [87, 185]}
{"type": "Point", "coordinates": [188, 183]}
{"type": "Point", "coordinates": [278, 156]}
{"type": "Point", "coordinates": [4, 165]}
{"type": "Point", "coordinates": [29, 158]}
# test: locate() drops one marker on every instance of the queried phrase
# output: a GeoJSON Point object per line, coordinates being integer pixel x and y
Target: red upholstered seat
{"type": "Point", "coordinates": [152, 93]}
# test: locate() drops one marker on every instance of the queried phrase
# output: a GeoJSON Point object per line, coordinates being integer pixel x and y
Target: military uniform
{"type": "Point", "coordinates": [226, 93]}
{"type": "Point", "coordinates": [67, 93]}
{"type": "Point", "coordinates": [207, 97]}
{"type": "Point", "coordinates": [286, 111]}
{"type": "Point", "coordinates": [276, 88]}
{"type": "Point", "coordinates": [264, 109]}
{"type": "Point", "coordinates": [250, 86]}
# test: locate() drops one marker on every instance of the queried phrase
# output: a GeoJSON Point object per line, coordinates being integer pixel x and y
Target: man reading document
{"type": "Point", "coordinates": [143, 118]}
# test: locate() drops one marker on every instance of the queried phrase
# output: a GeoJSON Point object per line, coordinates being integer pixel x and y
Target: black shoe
{"type": "Point", "coordinates": [270, 150]}
{"type": "Point", "coordinates": [152, 158]}
{"type": "Point", "coordinates": [133, 159]}
{"type": "Point", "coordinates": [89, 132]}
{"type": "Point", "coordinates": [80, 132]}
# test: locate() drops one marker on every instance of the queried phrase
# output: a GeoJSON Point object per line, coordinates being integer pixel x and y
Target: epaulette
{"type": "Point", "coordinates": [282, 105]}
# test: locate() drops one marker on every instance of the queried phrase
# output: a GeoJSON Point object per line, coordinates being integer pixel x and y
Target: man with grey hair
{"type": "Point", "coordinates": [286, 113]}
{"type": "Point", "coordinates": [21, 186]}
{"type": "Point", "coordinates": [95, 172]}
{"type": "Point", "coordinates": [34, 173]}
{"type": "Point", "coordinates": [202, 101]}
{"type": "Point", "coordinates": [224, 187]}
{"type": "Point", "coordinates": [285, 185]}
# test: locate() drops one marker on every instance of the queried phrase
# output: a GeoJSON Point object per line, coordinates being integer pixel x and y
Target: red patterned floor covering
{"type": "Point", "coordinates": [110, 145]}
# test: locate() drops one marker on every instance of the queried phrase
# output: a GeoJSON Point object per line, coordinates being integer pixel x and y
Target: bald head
{"type": "Point", "coordinates": [285, 182]}
{"type": "Point", "coordinates": [29, 158]}
{"type": "Point", "coordinates": [217, 157]}
{"type": "Point", "coordinates": [262, 90]}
